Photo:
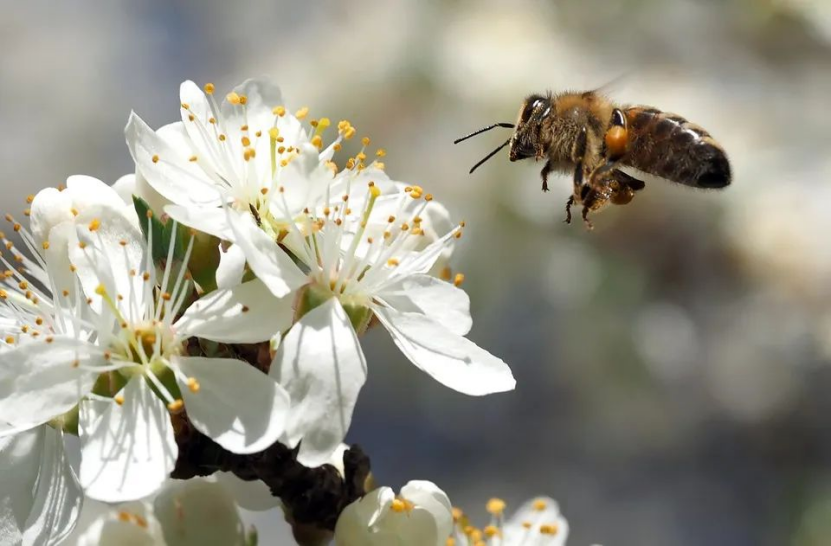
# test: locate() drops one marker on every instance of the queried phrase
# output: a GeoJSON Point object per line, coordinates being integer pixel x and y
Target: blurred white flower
{"type": "Point", "coordinates": [40, 498]}
{"type": "Point", "coordinates": [183, 513]}
{"type": "Point", "coordinates": [538, 522]}
{"type": "Point", "coordinates": [419, 516]}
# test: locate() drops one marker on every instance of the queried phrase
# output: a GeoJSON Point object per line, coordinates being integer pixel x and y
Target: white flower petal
{"type": "Point", "coordinates": [419, 262]}
{"type": "Point", "coordinates": [451, 359]}
{"type": "Point", "coordinates": [354, 525]}
{"type": "Point", "coordinates": [87, 192]}
{"type": "Point", "coordinates": [265, 257]}
{"type": "Point", "coordinates": [40, 380]}
{"type": "Point", "coordinates": [49, 208]}
{"type": "Point", "coordinates": [58, 496]}
{"type": "Point", "coordinates": [131, 524]}
{"type": "Point", "coordinates": [109, 255]}
{"type": "Point", "coordinates": [251, 495]}
{"type": "Point", "coordinates": [171, 174]}
{"type": "Point", "coordinates": [125, 187]}
{"type": "Point", "coordinates": [262, 96]}
{"type": "Point", "coordinates": [439, 300]}
{"type": "Point", "coordinates": [321, 365]}
{"type": "Point", "coordinates": [231, 267]}
{"type": "Point", "coordinates": [236, 405]}
{"type": "Point", "coordinates": [427, 495]}
{"type": "Point", "coordinates": [39, 496]}
{"type": "Point", "coordinates": [198, 512]}
{"type": "Point", "coordinates": [247, 313]}
{"type": "Point", "coordinates": [127, 450]}
{"type": "Point", "coordinates": [213, 221]}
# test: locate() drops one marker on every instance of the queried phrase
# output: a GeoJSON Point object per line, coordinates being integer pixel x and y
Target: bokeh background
{"type": "Point", "coordinates": [673, 366]}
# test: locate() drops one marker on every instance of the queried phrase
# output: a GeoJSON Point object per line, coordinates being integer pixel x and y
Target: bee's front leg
{"type": "Point", "coordinates": [549, 167]}
{"type": "Point", "coordinates": [569, 203]}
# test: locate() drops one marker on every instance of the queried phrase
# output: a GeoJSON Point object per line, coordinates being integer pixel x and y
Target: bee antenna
{"type": "Point", "coordinates": [490, 155]}
{"type": "Point", "coordinates": [480, 131]}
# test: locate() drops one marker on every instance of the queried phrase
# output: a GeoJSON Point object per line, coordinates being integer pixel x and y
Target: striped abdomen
{"type": "Point", "coordinates": [668, 146]}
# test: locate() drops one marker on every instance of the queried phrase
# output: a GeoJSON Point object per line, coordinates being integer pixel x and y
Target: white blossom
{"type": "Point", "coordinates": [538, 522]}
{"type": "Point", "coordinates": [419, 516]}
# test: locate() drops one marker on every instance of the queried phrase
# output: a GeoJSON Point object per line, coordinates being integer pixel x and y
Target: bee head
{"type": "Point", "coordinates": [534, 109]}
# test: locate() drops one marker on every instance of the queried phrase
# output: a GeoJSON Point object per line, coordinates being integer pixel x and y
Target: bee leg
{"type": "Point", "coordinates": [569, 203]}
{"type": "Point", "coordinates": [549, 167]}
{"type": "Point", "coordinates": [586, 221]}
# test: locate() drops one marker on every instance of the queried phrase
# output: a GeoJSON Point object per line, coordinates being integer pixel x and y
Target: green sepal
{"type": "Point", "coordinates": [67, 422]}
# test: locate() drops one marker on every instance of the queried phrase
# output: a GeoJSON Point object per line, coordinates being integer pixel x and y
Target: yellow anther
{"type": "Point", "coordinates": [145, 276]}
{"type": "Point", "coordinates": [365, 141]}
{"type": "Point", "coordinates": [548, 529]}
{"type": "Point", "coordinates": [323, 123]}
{"type": "Point", "coordinates": [349, 133]}
{"type": "Point", "coordinates": [45, 245]}
{"type": "Point", "coordinates": [246, 141]}
{"type": "Point", "coordinates": [193, 385]}
{"type": "Point", "coordinates": [494, 506]}
{"type": "Point", "coordinates": [39, 321]}
{"type": "Point", "coordinates": [540, 505]}
{"type": "Point", "coordinates": [405, 226]}
{"type": "Point", "coordinates": [450, 541]}
{"type": "Point", "coordinates": [27, 212]}
{"type": "Point", "coordinates": [166, 296]}
{"type": "Point", "coordinates": [185, 106]}
{"type": "Point", "coordinates": [176, 405]}
{"type": "Point", "coordinates": [281, 149]}
{"type": "Point", "coordinates": [126, 517]}
{"type": "Point", "coordinates": [350, 163]}
{"type": "Point", "coordinates": [193, 159]}
{"type": "Point", "coordinates": [361, 156]}
{"type": "Point", "coordinates": [243, 128]}
{"type": "Point", "coordinates": [401, 505]}
{"type": "Point", "coordinates": [222, 138]}
{"type": "Point", "coordinates": [337, 147]}
{"type": "Point", "coordinates": [233, 98]}
{"type": "Point", "coordinates": [264, 191]}
{"type": "Point", "coordinates": [279, 111]}
{"type": "Point", "coordinates": [380, 152]}
{"type": "Point", "coordinates": [249, 153]}
{"type": "Point", "coordinates": [392, 262]}
{"type": "Point", "coordinates": [65, 293]}
{"type": "Point", "coordinates": [16, 227]}
{"type": "Point", "coordinates": [273, 133]}
{"type": "Point", "coordinates": [527, 524]}
{"type": "Point", "coordinates": [30, 198]}
{"type": "Point", "coordinates": [209, 89]}
{"type": "Point", "coordinates": [74, 211]}
{"type": "Point", "coordinates": [302, 113]}
{"type": "Point", "coordinates": [391, 219]}
{"type": "Point", "coordinates": [258, 134]}
{"type": "Point", "coordinates": [212, 120]}
{"type": "Point", "coordinates": [82, 245]}
{"type": "Point", "coordinates": [9, 340]}
{"type": "Point", "coordinates": [155, 159]}
{"type": "Point", "coordinates": [3, 294]}
{"type": "Point", "coordinates": [95, 224]}
{"type": "Point", "coordinates": [317, 142]}
{"type": "Point", "coordinates": [119, 399]}
{"type": "Point", "coordinates": [191, 117]}
{"type": "Point", "coordinates": [458, 234]}
{"type": "Point", "coordinates": [378, 165]}
{"type": "Point", "coordinates": [243, 100]}
{"type": "Point", "coordinates": [284, 162]}
{"type": "Point", "coordinates": [428, 197]}
{"type": "Point", "coordinates": [491, 531]}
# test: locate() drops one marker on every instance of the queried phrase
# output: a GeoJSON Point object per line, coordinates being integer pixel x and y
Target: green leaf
{"type": "Point", "coordinates": [149, 221]}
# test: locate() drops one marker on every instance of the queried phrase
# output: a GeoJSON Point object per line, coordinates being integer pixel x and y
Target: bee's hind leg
{"type": "Point", "coordinates": [569, 203]}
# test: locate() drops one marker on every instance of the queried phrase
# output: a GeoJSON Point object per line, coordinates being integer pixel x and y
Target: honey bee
{"type": "Point", "coordinates": [610, 149]}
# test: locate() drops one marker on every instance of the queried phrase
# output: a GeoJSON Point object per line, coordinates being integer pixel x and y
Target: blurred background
{"type": "Point", "coordinates": [673, 366]}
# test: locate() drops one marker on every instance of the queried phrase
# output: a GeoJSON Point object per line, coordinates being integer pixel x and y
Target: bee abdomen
{"type": "Point", "coordinates": [669, 146]}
